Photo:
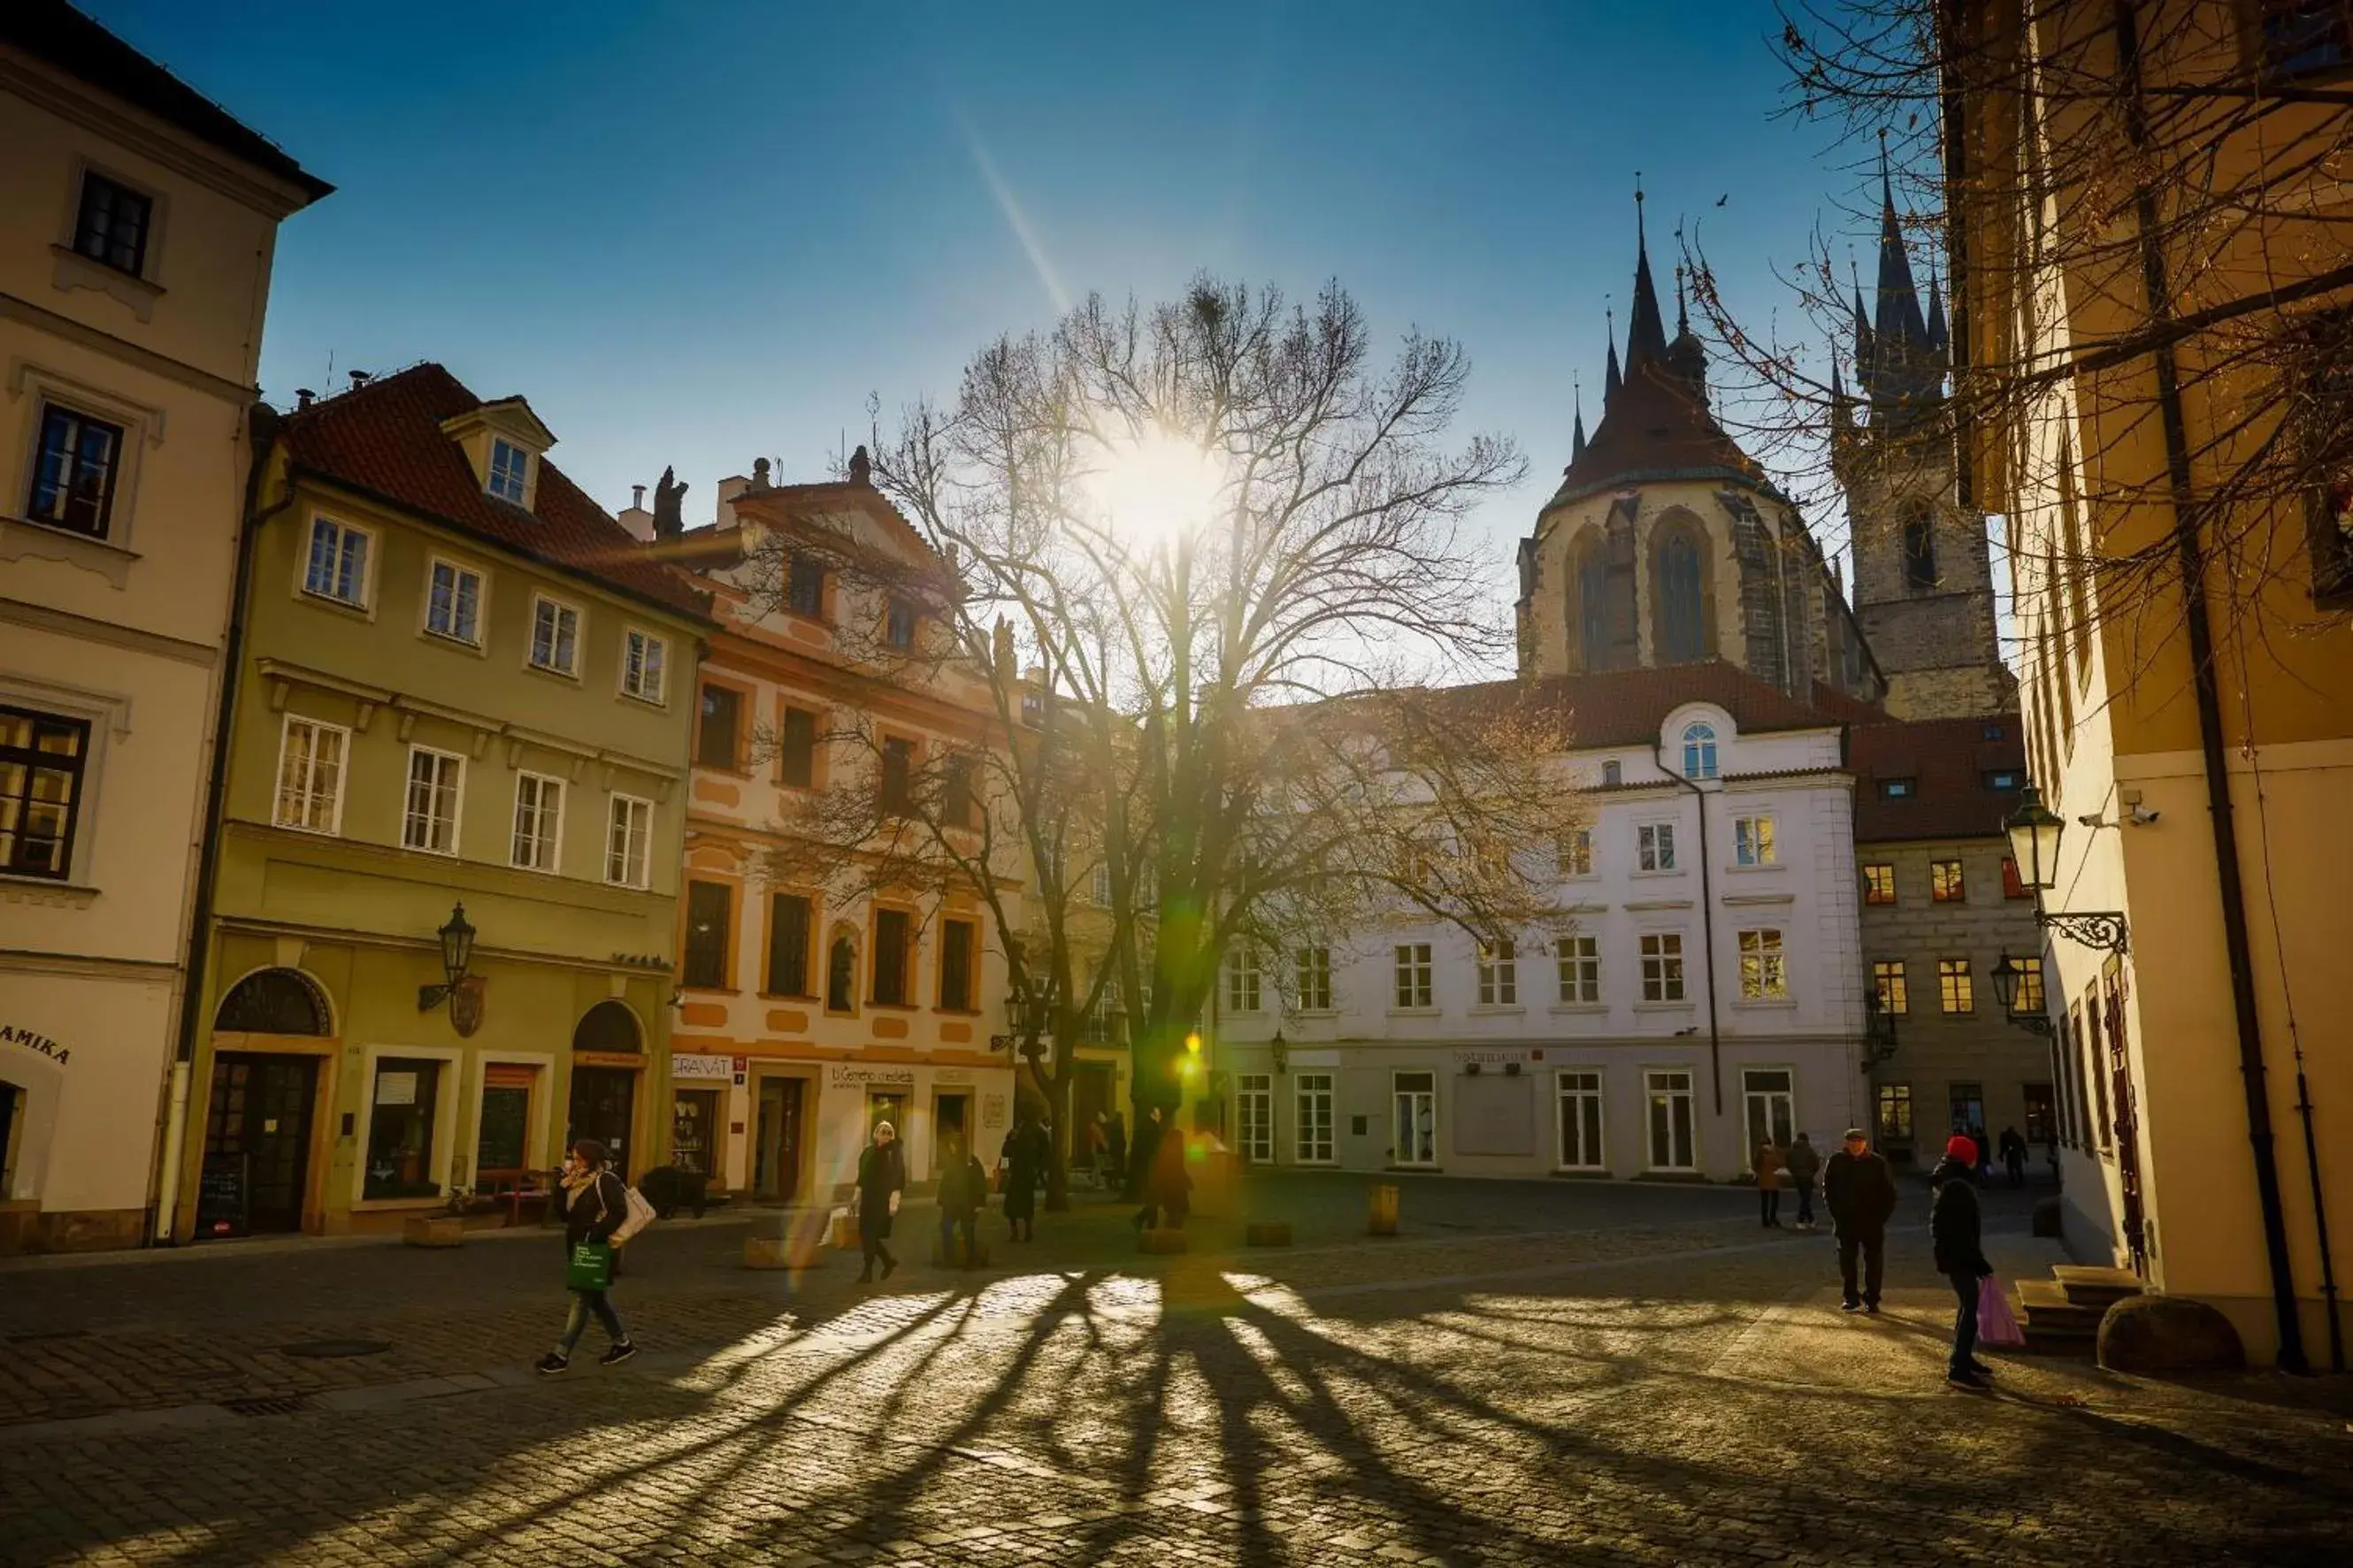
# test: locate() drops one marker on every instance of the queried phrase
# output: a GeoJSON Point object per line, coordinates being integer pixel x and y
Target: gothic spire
{"type": "Point", "coordinates": [1646, 333]}
{"type": "Point", "coordinates": [1577, 436]}
{"type": "Point", "coordinates": [1898, 322]}
{"type": "Point", "coordinates": [1611, 379]}
{"type": "Point", "coordinates": [1864, 347]}
{"type": "Point", "coordinates": [1939, 337]}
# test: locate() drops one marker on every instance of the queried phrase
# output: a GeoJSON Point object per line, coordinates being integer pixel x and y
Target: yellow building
{"type": "Point", "coordinates": [137, 226]}
{"type": "Point", "coordinates": [2189, 685]}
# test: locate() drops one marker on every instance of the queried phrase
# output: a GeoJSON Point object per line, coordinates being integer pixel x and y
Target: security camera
{"type": "Point", "coordinates": [2142, 816]}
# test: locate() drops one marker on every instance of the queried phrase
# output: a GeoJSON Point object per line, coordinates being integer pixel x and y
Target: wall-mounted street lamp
{"type": "Point", "coordinates": [1282, 1048]}
{"type": "Point", "coordinates": [1878, 1031]}
{"type": "Point", "coordinates": [456, 952]}
{"type": "Point", "coordinates": [2007, 976]}
{"type": "Point", "coordinates": [2034, 830]}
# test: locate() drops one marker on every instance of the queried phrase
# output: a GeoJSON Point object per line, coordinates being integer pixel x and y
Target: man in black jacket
{"type": "Point", "coordinates": [1954, 1225]}
{"type": "Point", "coordinates": [1859, 1190]}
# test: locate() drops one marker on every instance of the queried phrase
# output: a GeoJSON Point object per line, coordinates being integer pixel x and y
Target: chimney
{"type": "Point", "coordinates": [359, 379]}
{"type": "Point", "coordinates": [636, 519]}
{"type": "Point", "coordinates": [302, 398]}
{"type": "Point", "coordinates": [731, 486]}
{"type": "Point", "coordinates": [861, 467]}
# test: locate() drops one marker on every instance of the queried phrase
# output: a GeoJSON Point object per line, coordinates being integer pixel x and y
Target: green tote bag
{"type": "Point", "coordinates": [591, 1266]}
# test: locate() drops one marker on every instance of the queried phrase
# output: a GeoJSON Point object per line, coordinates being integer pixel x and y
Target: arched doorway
{"type": "Point", "coordinates": [604, 1100]}
{"type": "Point", "coordinates": [258, 1115]}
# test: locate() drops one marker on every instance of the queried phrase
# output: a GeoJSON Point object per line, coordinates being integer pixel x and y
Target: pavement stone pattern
{"type": "Point", "coordinates": [1669, 1386]}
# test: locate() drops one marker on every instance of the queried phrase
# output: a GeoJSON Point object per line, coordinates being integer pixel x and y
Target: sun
{"type": "Point", "coordinates": [1156, 488]}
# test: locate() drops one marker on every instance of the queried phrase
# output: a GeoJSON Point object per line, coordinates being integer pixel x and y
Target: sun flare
{"type": "Point", "coordinates": [1156, 488]}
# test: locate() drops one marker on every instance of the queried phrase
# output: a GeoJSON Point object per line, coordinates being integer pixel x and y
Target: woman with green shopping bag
{"type": "Point", "coordinates": [594, 1203]}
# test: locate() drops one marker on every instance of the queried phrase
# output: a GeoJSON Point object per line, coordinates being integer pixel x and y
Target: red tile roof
{"type": "Point", "coordinates": [385, 440]}
{"type": "Point", "coordinates": [1654, 429]}
{"type": "Point", "coordinates": [1948, 761]}
{"type": "Point", "coordinates": [1626, 707]}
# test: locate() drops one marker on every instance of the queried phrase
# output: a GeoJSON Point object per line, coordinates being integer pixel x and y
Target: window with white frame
{"type": "Point", "coordinates": [645, 662]}
{"type": "Point", "coordinates": [1662, 966]}
{"type": "Point", "coordinates": [1574, 854]}
{"type": "Point", "coordinates": [1242, 980]}
{"type": "Point", "coordinates": [75, 472]}
{"type": "Point", "coordinates": [310, 757]}
{"type": "Point", "coordinates": [1312, 1139]}
{"type": "Point", "coordinates": [538, 822]}
{"type": "Point", "coordinates": [1579, 1120]}
{"type": "Point", "coordinates": [1313, 967]}
{"type": "Point", "coordinates": [1769, 1098]}
{"type": "Point", "coordinates": [509, 466]}
{"type": "Point", "coordinates": [1254, 1116]}
{"type": "Point", "coordinates": [555, 637]}
{"type": "Point", "coordinates": [1413, 974]}
{"type": "Point", "coordinates": [1668, 1105]}
{"type": "Point", "coordinates": [1578, 959]}
{"type": "Point", "coordinates": [337, 566]}
{"type": "Point", "coordinates": [453, 603]}
{"type": "Point", "coordinates": [1654, 846]}
{"type": "Point", "coordinates": [1099, 886]}
{"type": "Point", "coordinates": [1413, 1123]}
{"type": "Point", "coordinates": [628, 841]}
{"type": "Point", "coordinates": [1699, 751]}
{"type": "Point", "coordinates": [429, 820]}
{"type": "Point", "coordinates": [1499, 974]}
{"type": "Point", "coordinates": [1764, 976]}
{"type": "Point", "coordinates": [1752, 841]}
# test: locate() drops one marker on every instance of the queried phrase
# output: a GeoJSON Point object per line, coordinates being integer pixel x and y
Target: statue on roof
{"type": "Point", "coordinates": [670, 500]}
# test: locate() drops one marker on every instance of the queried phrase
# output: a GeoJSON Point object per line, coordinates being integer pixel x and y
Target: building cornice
{"type": "Point", "coordinates": [99, 341]}
{"type": "Point", "coordinates": [66, 623]}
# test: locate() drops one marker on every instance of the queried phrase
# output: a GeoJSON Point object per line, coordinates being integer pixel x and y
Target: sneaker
{"type": "Point", "coordinates": [1850, 1306]}
{"type": "Point", "coordinates": [1980, 1368]}
{"type": "Point", "coordinates": [1870, 1308]}
{"type": "Point", "coordinates": [1964, 1378]}
{"type": "Point", "coordinates": [618, 1354]}
{"type": "Point", "coordinates": [550, 1363]}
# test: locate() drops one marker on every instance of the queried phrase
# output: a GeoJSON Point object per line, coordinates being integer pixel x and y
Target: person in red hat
{"type": "Point", "coordinates": [1956, 1228]}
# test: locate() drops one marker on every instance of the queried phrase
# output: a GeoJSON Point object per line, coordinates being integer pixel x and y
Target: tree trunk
{"type": "Point", "coordinates": [1058, 1165]}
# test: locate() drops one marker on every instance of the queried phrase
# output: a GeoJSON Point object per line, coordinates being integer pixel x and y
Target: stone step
{"type": "Point", "coordinates": [2053, 1341]}
{"type": "Point", "coordinates": [2088, 1284]}
{"type": "Point", "coordinates": [2043, 1305]}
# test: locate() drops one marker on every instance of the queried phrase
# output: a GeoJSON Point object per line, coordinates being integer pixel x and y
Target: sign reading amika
{"type": "Point", "coordinates": [17, 1034]}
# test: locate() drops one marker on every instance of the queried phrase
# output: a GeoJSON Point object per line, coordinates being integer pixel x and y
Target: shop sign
{"type": "Point", "coordinates": [18, 1035]}
{"type": "Point", "coordinates": [607, 1059]}
{"type": "Point", "coordinates": [1499, 1056]}
{"type": "Point", "coordinates": [395, 1088]}
{"type": "Point", "coordinates": [843, 1075]}
{"type": "Point", "coordinates": [700, 1067]}
{"type": "Point", "coordinates": [951, 1075]}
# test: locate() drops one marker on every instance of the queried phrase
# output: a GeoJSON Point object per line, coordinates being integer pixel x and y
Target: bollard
{"type": "Point", "coordinates": [1384, 1220]}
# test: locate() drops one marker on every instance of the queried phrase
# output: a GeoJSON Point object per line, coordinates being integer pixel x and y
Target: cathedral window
{"type": "Point", "coordinates": [1920, 550]}
{"type": "Point", "coordinates": [1592, 607]}
{"type": "Point", "coordinates": [1680, 581]}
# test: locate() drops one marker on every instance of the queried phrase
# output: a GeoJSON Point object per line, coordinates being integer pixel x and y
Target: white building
{"type": "Point", "coordinates": [1700, 988]}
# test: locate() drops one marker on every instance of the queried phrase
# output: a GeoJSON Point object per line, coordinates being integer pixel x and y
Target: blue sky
{"type": "Point", "coordinates": [699, 232]}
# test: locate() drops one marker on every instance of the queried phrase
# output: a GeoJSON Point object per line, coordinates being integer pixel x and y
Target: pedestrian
{"type": "Point", "coordinates": [1860, 1190]}
{"type": "Point", "coordinates": [2013, 1155]}
{"type": "Point", "coordinates": [1116, 1134]}
{"type": "Point", "coordinates": [1955, 1227]}
{"type": "Point", "coordinates": [881, 1177]}
{"type": "Point", "coordinates": [593, 1202]}
{"type": "Point", "coordinates": [1981, 1148]}
{"type": "Point", "coordinates": [1805, 1162]}
{"type": "Point", "coordinates": [964, 1193]}
{"type": "Point", "coordinates": [1098, 1150]}
{"type": "Point", "coordinates": [1768, 1182]}
{"type": "Point", "coordinates": [1168, 1186]}
{"type": "Point", "coordinates": [1023, 1160]}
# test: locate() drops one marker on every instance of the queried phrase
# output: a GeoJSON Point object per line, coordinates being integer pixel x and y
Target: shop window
{"type": "Point", "coordinates": [501, 1144]}
{"type": "Point", "coordinates": [401, 1107]}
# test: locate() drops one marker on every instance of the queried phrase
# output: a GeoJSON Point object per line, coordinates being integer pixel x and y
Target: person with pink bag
{"type": "Point", "coordinates": [1955, 1227]}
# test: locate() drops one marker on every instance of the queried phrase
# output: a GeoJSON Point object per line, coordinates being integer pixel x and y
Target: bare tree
{"type": "Point", "coordinates": [1207, 553]}
{"type": "Point", "coordinates": [2126, 194]}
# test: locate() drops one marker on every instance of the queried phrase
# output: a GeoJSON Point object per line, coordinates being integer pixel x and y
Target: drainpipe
{"type": "Point", "coordinates": [2195, 616]}
{"type": "Point", "coordinates": [192, 1008]}
{"type": "Point", "coordinates": [1707, 935]}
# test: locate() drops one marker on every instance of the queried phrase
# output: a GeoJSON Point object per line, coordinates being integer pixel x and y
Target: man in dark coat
{"type": "Point", "coordinates": [1023, 1158]}
{"type": "Point", "coordinates": [1859, 1190]}
{"type": "Point", "coordinates": [1955, 1227]}
{"type": "Point", "coordinates": [964, 1192]}
{"type": "Point", "coordinates": [1805, 1163]}
{"type": "Point", "coordinates": [881, 1177]}
{"type": "Point", "coordinates": [2013, 1155]}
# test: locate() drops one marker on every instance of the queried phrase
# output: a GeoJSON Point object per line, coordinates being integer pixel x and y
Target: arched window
{"type": "Point", "coordinates": [1699, 751]}
{"type": "Point", "coordinates": [1593, 608]}
{"type": "Point", "coordinates": [1681, 625]}
{"type": "Point", "coordinates": [607, 1026]}
{"type": "Point", "coordinates": [275, 1002]}
{"type": "Point", "coordinates": [841, 975]}
{"type": "Point", "coordinates": [1920, 548]}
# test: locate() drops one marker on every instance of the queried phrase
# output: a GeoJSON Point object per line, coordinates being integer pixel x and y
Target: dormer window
{"type": "Point", "coordinates": [510, 465]}
{"type": "Point", "coordinates": [1699, 751]}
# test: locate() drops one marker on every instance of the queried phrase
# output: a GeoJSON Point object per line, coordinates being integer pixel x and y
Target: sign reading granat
{"type": "Point", "coordinates": [1498, 1056]}
{"type": "Point", "coordinates": [847, 1076]}
{"type": "Point", "coordinates": [17, 1034]}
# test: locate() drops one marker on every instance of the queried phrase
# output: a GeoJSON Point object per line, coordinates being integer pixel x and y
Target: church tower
{"type": "Point", "coordinates": [1923, 570]}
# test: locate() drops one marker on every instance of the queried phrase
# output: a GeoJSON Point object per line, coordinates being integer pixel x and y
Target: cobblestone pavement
{"type": "Point", "coordinates": [1670, 1386]}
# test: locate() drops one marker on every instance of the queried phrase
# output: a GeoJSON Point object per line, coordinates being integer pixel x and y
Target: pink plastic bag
{"type": "Point", "coordinates": [1997, 1324]}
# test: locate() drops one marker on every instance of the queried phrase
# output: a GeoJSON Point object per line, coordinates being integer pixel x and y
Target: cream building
{"type": "Point", "coordinates": [805, 1014]}
{"type": "Point", "coordinates": [137, 226]}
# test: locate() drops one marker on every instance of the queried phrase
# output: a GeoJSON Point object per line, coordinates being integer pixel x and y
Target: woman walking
{"type": "Point", "coordinates": [881, 1177]}
{"type": "Point", "coordinates": [1768, 1182]}
{"type": "Point", "coordinates": [1955, 1228]}
{"type": "Point", "coordinates": [1024, 1163]}
{"type": "Point", "coordinates": [593, 1202]}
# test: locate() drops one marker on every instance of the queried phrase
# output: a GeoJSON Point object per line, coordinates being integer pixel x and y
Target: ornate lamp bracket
{"type": "Point", "coordinates": [2101, 929]}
